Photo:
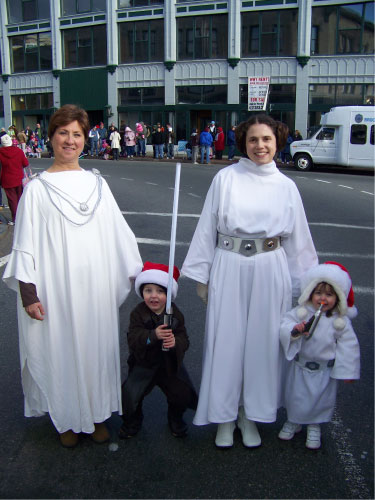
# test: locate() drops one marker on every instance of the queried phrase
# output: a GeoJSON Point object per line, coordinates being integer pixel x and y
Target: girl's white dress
{"type": "Point", "coordinates": [310, 395]}
{"type": "Point", "coordinates": [242, 362]}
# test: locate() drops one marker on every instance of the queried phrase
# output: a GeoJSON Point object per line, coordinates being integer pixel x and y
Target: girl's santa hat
{"type": "Point", "coordinates": [338, 277]}
{"type": "Point", "coordinates": [157, 274]}
{"type": "Point", "coordinates": [138, 127]}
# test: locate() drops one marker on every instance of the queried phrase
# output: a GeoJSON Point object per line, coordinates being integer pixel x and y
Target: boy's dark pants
{"type": "Point", "coordinates": [142, 380]}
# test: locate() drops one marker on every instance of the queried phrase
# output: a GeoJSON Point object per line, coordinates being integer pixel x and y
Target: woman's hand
{"type": "Point", "coordinates": [202, 292]}
{"type": "Point", "coordinates": [35, 311]}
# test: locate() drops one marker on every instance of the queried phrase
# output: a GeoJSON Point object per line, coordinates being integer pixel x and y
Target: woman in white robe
{"type": "Point", "coordinates": [72, 261]}
{"type": "Point", "coordinates": [242, 362]}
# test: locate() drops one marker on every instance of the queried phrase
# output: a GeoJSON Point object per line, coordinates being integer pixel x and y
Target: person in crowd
{"type": "Point", "coordinates": [231, 142]}
{"type": "Point", "coordinates": [102, 133]}
{"type": "Point", "coordinates": [140, 139]}
{"type": "Point", "coordinates": [94, 141]}
{"type": "Point", "coordinates": [194, 141]}
{"type": "Point", "coordinates": [251, 245]}
{"type": "Point", "coordinates": [13, 161]}
{"type": "Point", "coordinates": [321, 357]}
{"type": "Point", "coordinates": [22, 139]}
{"type": "Point", "coordinates": [12, 132]}
{"type": "Point", "coordinates": [40, 135]}
{"type": "Point", "coordinates": [219, 143]}
{"type": "Point", "coordinates": [156, 354]}
{"type": "Point", "coordinates": [72, 264]}
{"type": "Point", "coordinates": [2, 132]}
{"type": "Point", "coordinates": [130, 142]}
{"type": "Point", "coordinates": [28, 133]}
{"type": "Point", "coordinates": [297, 136]}
{"type": "Point", "coordinates": [158, 141]}
{"type": "Point", "coordinates": [115, 143]}
{"type": "Point", "coordinates": [169, 141]}
{"type": "Point", "coordinates": [285, 153]}
{"type": "Point", "coordinates": [205, 141]}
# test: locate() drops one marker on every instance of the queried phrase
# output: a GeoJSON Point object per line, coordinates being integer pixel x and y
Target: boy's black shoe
{"type": "Point", "coordinates": [128, 431]}
{"type": "Point", "coordinates": [177, 424]}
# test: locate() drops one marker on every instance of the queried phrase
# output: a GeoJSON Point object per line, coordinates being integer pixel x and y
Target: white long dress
{"type": "Point", "coordinates": [70, 362]}
{"type": "Point", "coordinates": [310, 395]}
{"type": "Point", "coordinates": [242, 362]}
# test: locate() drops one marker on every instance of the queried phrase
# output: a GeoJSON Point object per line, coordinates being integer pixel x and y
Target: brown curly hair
{"type": "Point", "coordinates": [68, 114]}
{"type": "Point", "coordinates": [279, 129]}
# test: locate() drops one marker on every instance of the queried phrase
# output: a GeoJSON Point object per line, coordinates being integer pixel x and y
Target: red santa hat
{"type": "Point", "coordinates": [336, 275]}
{"type": "Point", "coordinates": [157, 274]}
{"type": "Point", "coordinates": [138, 127]}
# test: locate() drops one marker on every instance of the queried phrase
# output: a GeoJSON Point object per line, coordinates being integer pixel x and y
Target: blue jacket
{"type": "Point", "coordinates": [231, 138]}
{"type": "Point", "coordinates": [205, 139]}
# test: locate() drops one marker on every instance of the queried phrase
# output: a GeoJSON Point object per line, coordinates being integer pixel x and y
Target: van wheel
{"type": "Point", "coordinates": [303, 162]}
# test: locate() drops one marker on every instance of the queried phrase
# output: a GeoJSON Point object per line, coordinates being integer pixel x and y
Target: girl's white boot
{"type": "Point", "coordinates": [249, 431]}
{"type": "Point", "coordinates": [224, 435]}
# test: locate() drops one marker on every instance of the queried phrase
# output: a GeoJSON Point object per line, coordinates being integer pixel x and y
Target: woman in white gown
{"type": "Point", "coordinates": [72, 261]}
{"type": "Point", "coordinates": [251, 245]}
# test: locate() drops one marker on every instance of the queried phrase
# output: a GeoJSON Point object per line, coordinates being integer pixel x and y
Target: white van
{"type": "Point", "coordinates": [346, 138]}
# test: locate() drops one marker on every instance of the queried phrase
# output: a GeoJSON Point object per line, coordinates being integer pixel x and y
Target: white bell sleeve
{"type": "Point", "coordinates": [347, 361]}
{"type": "Point", "coordinates": [299, 247]}
{"type": "Point", "coordinates": [290, 347]}
{"type": "Point", "coordinates": [198, 262]}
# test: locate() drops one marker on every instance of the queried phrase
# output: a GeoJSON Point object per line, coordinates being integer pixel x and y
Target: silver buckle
{"type": "Point", "coordinates": [270, 244]}
{"type": "Point", "coordinates": [225, 242]}
{"type": "Point", "coordinates": [247, 248]}
{"type": "Point", "coordinates": [312, 365]}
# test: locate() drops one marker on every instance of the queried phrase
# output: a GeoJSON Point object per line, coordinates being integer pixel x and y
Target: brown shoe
{"type": "Point", "coordinates": [101, 434]}
{"type": "Point", "coordinates": [69, 439]}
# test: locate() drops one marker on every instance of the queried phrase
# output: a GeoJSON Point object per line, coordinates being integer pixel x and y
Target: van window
{"type": "Point", "coordinates": [326, 134]}
{"type": "Point", "coordinates": [372, 134]}
{"type": "Point", "coordinates": [358, 134]}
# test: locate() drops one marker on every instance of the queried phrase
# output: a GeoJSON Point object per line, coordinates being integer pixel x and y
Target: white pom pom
{"type": "Point", "coordinates": [339, 323]}
{"type": "Point", "coordinates": [352, 312]}
{"type": "Point", "coordinates": [302, 312]}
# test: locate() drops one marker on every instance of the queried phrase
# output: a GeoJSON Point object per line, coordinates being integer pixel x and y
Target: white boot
{"type": "Point", "coordinates": [249, 431]}
{"type": "Point", "coordinates": [313, 437]}
{"type": "Point", "coordinates": [224, 435]}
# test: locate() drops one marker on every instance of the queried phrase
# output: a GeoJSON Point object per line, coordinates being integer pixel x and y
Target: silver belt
{"type": "Point", "coordinates": [313, 365]}
{"type": "Point", "coordinates": [247, 247]}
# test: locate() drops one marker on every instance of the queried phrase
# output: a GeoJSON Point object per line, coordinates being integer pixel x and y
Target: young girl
{"type": "Point", "coordinates": [329, 353]}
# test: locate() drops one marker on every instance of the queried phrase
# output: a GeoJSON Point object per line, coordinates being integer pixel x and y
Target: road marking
{"type": "Point", "coordinates": [346, 187]}
{"type": "Point", "coordinates": [364, 290]}
{"type": "Point", "coordinates": [149, 241]}
{"type": "Point", "coordinates": [152, 184]}
{"type": "Point", "coordinates": [320, 180]}
{"type": "Point", "coordinates": [161, 214]}
{"type": "Point", "coordinates": [366, 192]}
{"type": "Point", "coordinates": [126, 179]}
{"type": "Point", "coordinates": [344, 226]}
{"type": "Point", "coordinates": [105, 175]}
{"type": "Point", "coordinates": [354, 478]}
{"type": "Point", "coordinates": [345, 255]}
{"type": "Point", "coordinates": [194, 195]}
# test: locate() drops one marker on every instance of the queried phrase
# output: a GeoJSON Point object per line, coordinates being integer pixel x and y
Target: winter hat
{"type": "Point", "coordinates": [128, 129]}
{"type": "Point", "coordinates": [6, 141]}
{"type": "Point", "coordinates": [337, 276]}
{"type": "Point", "coordinates": [212, 123]}
{"type": "Point", "coordinates": [157, 274]}
{"type": "Point", "coordinates": [138, 127]}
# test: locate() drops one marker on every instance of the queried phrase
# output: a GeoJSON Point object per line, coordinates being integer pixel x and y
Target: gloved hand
{"type": "Point", "coordinates": [202, 292]}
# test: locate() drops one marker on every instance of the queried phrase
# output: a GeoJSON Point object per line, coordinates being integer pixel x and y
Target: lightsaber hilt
{"type": "Point", "coordinates": [315, 322]}
{"type": "Point", "coordinates": [168, 318]}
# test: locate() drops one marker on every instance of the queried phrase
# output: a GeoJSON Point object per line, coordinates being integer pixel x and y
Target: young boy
{"type": "Point", "coordinates": [156, 354]}
{"type": "Point", "coordinates": [331, 352]}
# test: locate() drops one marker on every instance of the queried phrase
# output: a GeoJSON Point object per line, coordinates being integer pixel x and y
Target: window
{"type": "Point", "coordinates": [31, 52]}
{"type": "Point", "coordinates": [326, 134]}
{"type": "Point", "coordinates": [142, 41]}
{"type": "Point", "coordinates": [269, 33]}
{"type": "Point", "coordinates": [358, 134]}
{"type": "Point", "coordinates": [343, 29]}
{"type": "Point", "coordinates": [372, 134]}
{"type": "Point", "coordinates": [20, 11]}
{"type": "Point", "coordinates": [141, 96]}
{"type": "Point", "coordinates": [137, 3]}
{"type": "Point", "coordinates": [71, 7]}
{"type": "Point", "coordinates": [201, 94]}
{"type": "Point", "coordinates": [85, 46]}
{"type": "Point", "coordinates": [341, 94]}
{"type": "Point", "coordinates": [203, 37]}
{"type": "Point", "coordinates": [32, 101]}
{"type": "Point", "coordinates": [285, 93]}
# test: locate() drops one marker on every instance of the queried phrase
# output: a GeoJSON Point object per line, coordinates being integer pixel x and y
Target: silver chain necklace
{"type": "Point", "coordinates": [83, 207]}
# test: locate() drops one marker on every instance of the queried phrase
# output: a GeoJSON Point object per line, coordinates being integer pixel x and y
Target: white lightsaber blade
{"type": "Point", "coordinates": [173, 238]}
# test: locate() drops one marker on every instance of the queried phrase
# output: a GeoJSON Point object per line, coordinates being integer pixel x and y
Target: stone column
{"type": "Point", "coordinates": [56, 40]}
{"type": "Point", "coordinates": [234, 50]}
{"type": "Point", "coordinates": [5, 60]}
{"type": "Point", "coordinates": [112, 59]}
{"type": "Point", "coordinates": [170, 42]}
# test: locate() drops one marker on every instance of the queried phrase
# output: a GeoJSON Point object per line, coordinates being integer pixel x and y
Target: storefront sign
{"type": "Point", "coordinates": [258, 92]}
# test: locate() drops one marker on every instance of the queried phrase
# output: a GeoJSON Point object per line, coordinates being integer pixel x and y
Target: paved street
{"type": "Point", "coordinates": [340, 211]}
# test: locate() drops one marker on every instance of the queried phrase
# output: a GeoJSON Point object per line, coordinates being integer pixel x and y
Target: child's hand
{"type": "Point", "coordinates": [162, 332]}
{"type": "Point", "coordinates": [298, 330]}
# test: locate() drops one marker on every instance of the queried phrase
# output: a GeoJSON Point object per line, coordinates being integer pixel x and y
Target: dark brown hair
{"type": "Point", "coordinates": [68, 114]}
{"type": "Point", "coordinates": [279, 129]}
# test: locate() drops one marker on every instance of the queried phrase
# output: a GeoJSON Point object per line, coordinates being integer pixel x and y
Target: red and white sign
{"type": "Point", "coordinates": [258, 92]}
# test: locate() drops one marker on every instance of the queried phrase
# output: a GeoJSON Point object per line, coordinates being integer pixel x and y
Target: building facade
{"type": "Point", "coordinates": [185, 62]}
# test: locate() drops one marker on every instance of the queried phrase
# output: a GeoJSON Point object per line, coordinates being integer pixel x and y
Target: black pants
{"type": "Point", "coordinates": [140, 382]}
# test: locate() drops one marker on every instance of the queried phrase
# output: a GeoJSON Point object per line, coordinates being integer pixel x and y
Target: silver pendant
{"type": "Point", "coordinates": [83, 207]}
